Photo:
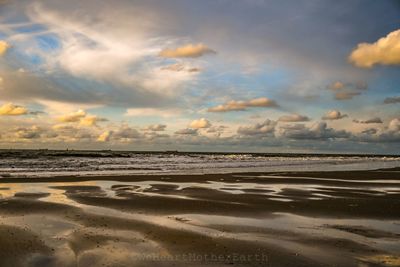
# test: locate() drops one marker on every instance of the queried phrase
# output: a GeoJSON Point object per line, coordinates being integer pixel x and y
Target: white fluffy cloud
{"type": "Point", "coordinates": [234, 105]}
{"type": "Point", "coordinates": [334, 115]}
{"type": "Point", "coordinates": [385, 51]}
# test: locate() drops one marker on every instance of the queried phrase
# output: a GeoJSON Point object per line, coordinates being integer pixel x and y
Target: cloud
{"type": "Point", "coordinates": [234, 105]}
{"type": "Point", "coordinates": [118, 57]}
{"type": "Point", "coordinates": [82, 117]}
{"type": "Point", "coordinates": [293, 118]}
{"type": "Point", "coordinates": [370, 131]}
{"type": "Point", "coordinates": [33, 132]}
{"type": "Point", "coordinates": [392, 100]}
{"type": "Point", "coordinates": [336, 86]}
{"type": "Point", "coordinates": [319, 131]}
{"type": "Point", "coordinates": [259, 129]}
{"type": "Point", "coordinates": [105, 136]}
{"type": "Point", "coordinates": [346, 95]}
{"type": "Point", "coordinates": [389, 134]}
{"type": "Point", "coordinates": [385, 51]}
{"type": "Point", "coordinates": [372, 120]}
{"type": "Point", "coordinates": [180, 67]}
{"type": "Point", "coordinates": [123, 134]}
{"type": "Point", "coordinates": [334, 115]}
{"type": "Point", "coordinates": [200, 123]}
{"type": "Point", "coordinates": [339, 85]}
{"type": "Point", "coordinates": [73, 117]}
{"type": "Point", "coordinates": [3, 47]}
{"type": "Point", "coordinates": [9, 109]}
{"type": "Point", "coordinates": [91, 120]}
{"type": "Point", "coordinates": [144, 112]}
{"type": "Point", "coordinates": [394, 125]}
{"type": "Point", "coordinates": [187, 131]}
{"type": "Point", "coordinates": [345, 91]}
{"type": "Point", "coordinates": [217, 129]}
{"type": "Point", "coordinates": [156, 128]}
{"type": "Point", "coordinates": [189, 50]}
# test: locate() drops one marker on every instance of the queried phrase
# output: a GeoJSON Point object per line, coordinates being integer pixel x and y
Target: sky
{"type": "Point", "coordinates": [304, 76]}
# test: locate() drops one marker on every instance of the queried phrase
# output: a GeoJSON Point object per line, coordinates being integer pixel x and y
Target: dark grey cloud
{"type": "Point", "coordinates": [372, 120]}
{"type": "Point", "coordinates": [319, 131]}
{"type": "Point", "coordinates": [155, 128]}
{"type": "Point", "coordinates": [187, 131]}
{"type": "Point", "coordinates": [266, 128]}
{"type": "Point", "coordinates": [33, 132]}
{"type": "Point", "coordinates": [392, 100]}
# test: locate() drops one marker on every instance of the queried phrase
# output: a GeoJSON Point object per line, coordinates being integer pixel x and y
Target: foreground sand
{"type": "Point", "coordinates": [247, 219]}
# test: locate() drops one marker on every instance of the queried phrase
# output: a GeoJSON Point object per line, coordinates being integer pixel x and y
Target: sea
{"type": "Point", "coordinates": [48, 163]}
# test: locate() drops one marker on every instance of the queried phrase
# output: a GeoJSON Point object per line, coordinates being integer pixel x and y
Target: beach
{"type": "Point", "coordinates": [333, 218]}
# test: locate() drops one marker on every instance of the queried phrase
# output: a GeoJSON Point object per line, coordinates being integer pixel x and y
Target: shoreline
{"type": "Point", "coordinates": [384, 173]}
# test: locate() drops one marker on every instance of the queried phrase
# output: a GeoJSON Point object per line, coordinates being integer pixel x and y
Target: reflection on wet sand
{"type": "Point", "coordinates": [244, 220]}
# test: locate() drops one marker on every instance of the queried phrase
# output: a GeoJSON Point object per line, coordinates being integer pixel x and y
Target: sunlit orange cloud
{"type": "Point", "coordinates": [234, 105]}
{"type": "Point", "coordinates": [3, 47]}
{"type": "Point", "coordinates": [385, 51]}
{"type": "Point", "coordinates": [12, 110]}
{"type": "Point", "coordinates": [190, 50]}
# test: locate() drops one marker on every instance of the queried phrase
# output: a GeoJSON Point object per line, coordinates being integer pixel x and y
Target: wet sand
{"type": "Point", "coordinates": [349, 218]}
